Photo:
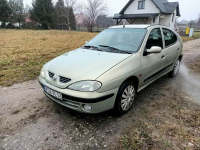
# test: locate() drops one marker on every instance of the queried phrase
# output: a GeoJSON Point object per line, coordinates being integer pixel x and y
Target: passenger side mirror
{"type": "Point", "coordinates": [154, 49]}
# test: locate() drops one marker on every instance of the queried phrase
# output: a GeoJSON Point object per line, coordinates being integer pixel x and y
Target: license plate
{"type": "Point", "coordinates": [53, 93]}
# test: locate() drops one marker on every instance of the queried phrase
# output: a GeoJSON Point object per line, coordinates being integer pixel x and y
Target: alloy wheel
{"type": "Point", "coordinates": [176, 67]}
{"type": "Point", "coordinates": [127, 97]}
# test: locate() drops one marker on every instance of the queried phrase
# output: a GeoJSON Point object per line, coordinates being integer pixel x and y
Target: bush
{"type": "Point", "coordinates": [10, 26]}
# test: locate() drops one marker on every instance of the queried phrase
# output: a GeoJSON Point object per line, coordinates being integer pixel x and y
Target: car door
{"type": "Point", "coordinates": [153, 63]}
{"type": "Point", "coordinates": [172, 46]}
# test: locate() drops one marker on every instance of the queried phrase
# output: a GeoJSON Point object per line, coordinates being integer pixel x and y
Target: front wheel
{"type": "Point", "coordinates": [175, 71]}
{"type": "Point", "coordinates": [125, 97]}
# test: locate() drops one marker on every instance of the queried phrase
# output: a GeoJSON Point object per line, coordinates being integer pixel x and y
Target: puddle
{"type": "Point", "coordinates": [190, 83]}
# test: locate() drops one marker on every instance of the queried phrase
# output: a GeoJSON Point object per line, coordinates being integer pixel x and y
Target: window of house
{"type": "Point", "coordinates": [155, 39]}
{"type": "Point", "coordinates": [170, 37]}
{"type": "Point", "coordinates": [141, 4]}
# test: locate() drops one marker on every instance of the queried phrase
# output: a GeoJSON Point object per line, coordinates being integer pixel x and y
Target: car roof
{"type": "Point", "coordinates": [136, 26]}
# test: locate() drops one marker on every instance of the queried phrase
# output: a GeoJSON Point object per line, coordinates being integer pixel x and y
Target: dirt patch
{"type": "Point", "coordinates": [193, 62]}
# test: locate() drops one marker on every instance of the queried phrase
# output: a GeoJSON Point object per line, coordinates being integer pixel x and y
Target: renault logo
{"type": "Point", "coordinates": [54, 77]}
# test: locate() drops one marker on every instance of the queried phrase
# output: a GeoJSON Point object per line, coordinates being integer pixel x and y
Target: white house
{"type": "Point", "coordinates": [149, 12]}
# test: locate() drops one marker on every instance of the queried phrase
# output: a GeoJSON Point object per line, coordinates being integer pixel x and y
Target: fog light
{"type": "Point", "coordinates": [87, 107]}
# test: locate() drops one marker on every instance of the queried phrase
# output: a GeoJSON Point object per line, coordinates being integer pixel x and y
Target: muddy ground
{"type": "Point", "coordinates": [28, 120]}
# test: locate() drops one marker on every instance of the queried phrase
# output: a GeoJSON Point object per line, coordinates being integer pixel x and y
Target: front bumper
{"type": "Point", "coordinates": [75, 100]}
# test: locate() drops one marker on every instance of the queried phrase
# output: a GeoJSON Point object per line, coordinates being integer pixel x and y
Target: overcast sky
{"type": "Point", "coordinates": [189, 9]}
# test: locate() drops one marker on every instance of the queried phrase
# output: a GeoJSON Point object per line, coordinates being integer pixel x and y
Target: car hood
{"type": "Point", "coordinates": [82, 64]}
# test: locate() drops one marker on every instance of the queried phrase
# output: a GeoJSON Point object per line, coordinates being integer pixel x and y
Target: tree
{"type": "Point", "coordinates": [92, 11]}
{"type": "Point", "coordinates": [69, 12]}
{"type": "Point", "coordinates": [65, 14]}
{"type": "Point", "coordinates": [71, 21]}
{"type": "Point", "coordinates": [191, 23]}
{"type": "Point", "coordinates": [5, 12]}
{"type": "Point", "coordinates": [17, 8]}
{"type": "Point", "coordinates": [43, 12]}
{"type": "Point", "coordinates": [60, 13]}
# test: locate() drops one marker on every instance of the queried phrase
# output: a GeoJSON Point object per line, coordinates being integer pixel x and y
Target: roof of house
{"type": "Point", "coordinates": [163, 5]}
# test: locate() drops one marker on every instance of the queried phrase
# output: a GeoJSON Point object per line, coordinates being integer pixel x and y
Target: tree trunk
{"type": "Point", "coordinates": [69, 28]}
{"type": "Point", "coordinates": [19, 24]}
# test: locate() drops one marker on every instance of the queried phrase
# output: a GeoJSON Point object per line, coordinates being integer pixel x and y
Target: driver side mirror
{"type": "Point", "coordinates": [154, 50]}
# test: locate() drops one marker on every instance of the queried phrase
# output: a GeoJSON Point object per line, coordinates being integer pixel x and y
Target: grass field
{"type": "Point", "coordinates": [196, 36]}
{"type": "Point", "coordinates": [24, 52]}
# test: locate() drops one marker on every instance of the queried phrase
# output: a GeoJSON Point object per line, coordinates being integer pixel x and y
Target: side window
{"type": "Point", "coordinates": [155, 39]}
{"type": "Point", "coordinates": [170, 37]}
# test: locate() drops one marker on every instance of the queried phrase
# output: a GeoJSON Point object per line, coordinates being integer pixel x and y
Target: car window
{"type": "Point", "coordinates": [155, 39]}
{"type": "Point", "coordinates": [170, 37]}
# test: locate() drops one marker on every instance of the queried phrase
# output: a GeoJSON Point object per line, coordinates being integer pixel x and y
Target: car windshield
{"type": "Point", "coordinates": [127, 40]}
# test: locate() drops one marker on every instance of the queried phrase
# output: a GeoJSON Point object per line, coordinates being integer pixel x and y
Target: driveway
{"type": "Point", "coordinates": [28, 120]}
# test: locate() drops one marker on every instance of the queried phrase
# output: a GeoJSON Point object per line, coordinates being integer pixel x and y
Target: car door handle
{"type": "Point", "coordinates": [163, 56]}
{"type": "Point", "coordinates": [178, 49]}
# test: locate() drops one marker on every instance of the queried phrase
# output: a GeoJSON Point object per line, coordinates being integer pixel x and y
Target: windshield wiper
{"type": "Point", "coordinates": [114, 48]}
{"type": "Point", "coordinates": [92, 47]}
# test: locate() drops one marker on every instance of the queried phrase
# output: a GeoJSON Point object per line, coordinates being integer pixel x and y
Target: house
{"type": "Point", "coordinates": [80, 19]}
{"type": "Point", "coordinates": [103, 21]}
{"type": "Point", "coordinates": [159, 12]}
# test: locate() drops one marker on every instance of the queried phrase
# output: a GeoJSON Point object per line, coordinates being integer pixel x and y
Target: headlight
{"type": "Point", "coordinates": [42, 73]}
{"type": "Point", "coordinates": [85, 86]}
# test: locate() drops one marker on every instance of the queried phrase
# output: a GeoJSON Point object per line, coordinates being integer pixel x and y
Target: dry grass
{"type": "Point", "coordinates": [171, 121]}
{"type": "Point", "coordinates": [196, 36]}
{"type": "Point", "coordinates": [24, 52]}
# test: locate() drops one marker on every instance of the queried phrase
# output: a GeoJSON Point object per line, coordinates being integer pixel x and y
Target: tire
{"type": "Point", "coordinates": [176, 68]}
{"type": "Point", "coordinates": [125, 97]}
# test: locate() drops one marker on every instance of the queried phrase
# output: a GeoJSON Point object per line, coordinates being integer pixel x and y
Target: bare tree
{"type": "Point", "coordinates": [92, 11]}
{"type": "Point", "coordinates": [70, 7]}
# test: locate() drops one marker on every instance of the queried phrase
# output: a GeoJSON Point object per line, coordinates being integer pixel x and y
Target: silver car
{"type": "Point", "coordinates": [108, 71]}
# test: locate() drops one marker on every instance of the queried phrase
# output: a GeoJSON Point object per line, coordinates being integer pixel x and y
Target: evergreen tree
{"type": "Point", "coordinates": [5, 12]}
{"type": "Point", "coordinates": [65, 14]}
{"type": "Point", "coordinates": [17, 8]}
{"type": "Point", "coordinates": [60, 13]}
{"type": "Point", "coordinates": [43, 12]}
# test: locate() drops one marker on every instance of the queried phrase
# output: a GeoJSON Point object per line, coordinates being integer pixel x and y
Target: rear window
{"type": "Point", "coordinates": [170, 37]}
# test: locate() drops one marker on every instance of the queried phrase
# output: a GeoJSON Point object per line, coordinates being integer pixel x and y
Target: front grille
{"type": "Point", "coordinates": [64, 80]}
{"type": "Point", "coordinates": [51, 74]}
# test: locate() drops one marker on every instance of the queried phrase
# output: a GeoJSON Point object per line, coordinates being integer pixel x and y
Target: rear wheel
{"type": "Point", "coordinates": [175, 71]}
{"type": "Point", "coordinates": [125, 97]}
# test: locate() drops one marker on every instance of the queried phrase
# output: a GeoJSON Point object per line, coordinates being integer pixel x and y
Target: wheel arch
{"type": "Point", "coordinates": [134, 79]}
{"type": "Point", "coordinates": [180, 57]}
